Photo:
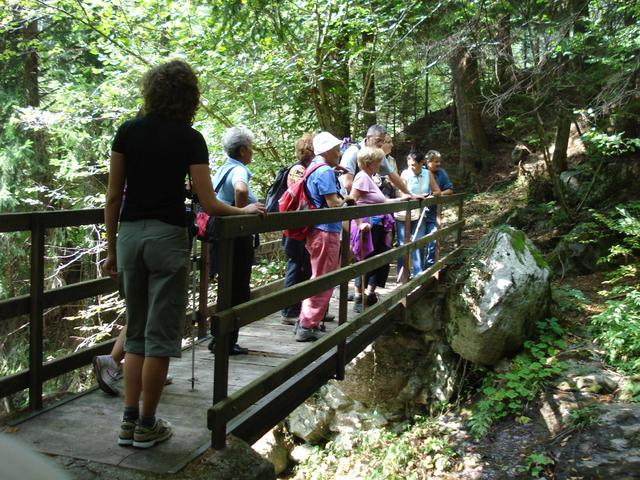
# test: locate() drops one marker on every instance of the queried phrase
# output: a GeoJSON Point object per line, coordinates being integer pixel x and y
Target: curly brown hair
{"type": "Point", "coordinates": [304, 148]}
{"type": "Point", "coordinates": [171, 91]}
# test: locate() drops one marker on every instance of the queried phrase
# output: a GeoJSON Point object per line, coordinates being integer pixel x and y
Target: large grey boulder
{"type": "Point", "coordinates": [496, 297]}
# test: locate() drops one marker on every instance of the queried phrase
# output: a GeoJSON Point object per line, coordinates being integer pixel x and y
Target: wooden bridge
{"type": "Point", "coordinates": [245, 396]}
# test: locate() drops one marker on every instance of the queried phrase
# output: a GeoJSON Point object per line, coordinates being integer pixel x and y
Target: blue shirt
{"type": "Point", "coordinates": [321, 182]}
{"type": "Point", "coordinates": [240, 173]}
{"type": "Point", "coordinates": [417, 184]}
{"type": "Point", "coordinates": [443, 181]}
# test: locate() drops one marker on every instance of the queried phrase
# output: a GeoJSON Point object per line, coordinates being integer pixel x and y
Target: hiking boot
{"type": "Point", "coordinates": [306, 334]}
{"type": "Point", "coordinates": [288, 320]}
{"type": "Point", "coordinates": [372, 299]}
{"type": "Point", "coordinates": [357, 304]}
{"type": "Point", "coordinates": [238, 350]}
{"type": "Point", "coordinates": [106, 372]}
{"type": "Point", "coordinates": [127, 427]}
{"type": "Point", "coordinates": [144, 437]}
{"type": "Point", "coordinates": [168, 380]}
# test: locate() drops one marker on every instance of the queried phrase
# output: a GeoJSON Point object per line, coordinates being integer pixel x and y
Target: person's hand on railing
{"type": "Point", "coordinates": [110, 266]}
{"type": "Point", "coordinates": [349, 201]}
{"type": "Point", "coordinates": [255, 208]}
{"type": "Point", "coordinates": [413, 196]}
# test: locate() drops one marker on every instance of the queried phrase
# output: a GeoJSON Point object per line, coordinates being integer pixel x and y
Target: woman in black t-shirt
{"type": "Point", "coordinates": [152, 154]}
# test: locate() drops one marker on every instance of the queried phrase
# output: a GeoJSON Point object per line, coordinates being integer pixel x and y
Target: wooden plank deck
{"type": "Point", "coordinates": [86, 427]}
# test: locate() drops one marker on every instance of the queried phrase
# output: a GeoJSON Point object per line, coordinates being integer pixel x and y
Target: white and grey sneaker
{"type": "Point", "coordinates": [107, 374]}
{"type": "Point", "coordinates": [144, 437]}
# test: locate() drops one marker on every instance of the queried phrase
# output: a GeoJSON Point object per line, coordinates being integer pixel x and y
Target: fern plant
{"type": "Point", "coordinates": [509, 393]}
{"type": "Point", "coordinates": [617, 328]}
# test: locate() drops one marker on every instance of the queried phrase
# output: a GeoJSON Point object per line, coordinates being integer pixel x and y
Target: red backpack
{"type": "Point", "coordinates": [296, 199]}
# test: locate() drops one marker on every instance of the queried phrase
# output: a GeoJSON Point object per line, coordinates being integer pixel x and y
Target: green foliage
{"type": "Point", "coordinates": [631, 390]}
{"type": "Point", "coordinates": [508, 393]}
{"type": "Point", "coordinates": [602, 145]}
{"type": "Point", "coordinates": [568, 299]}
{"type": "Point", "coordinates": [267, 271]}
{"type": "Point", "coordinates": [617, 328]}
{"type": "Point", "coordinates": [583, 417]}
{"type": "Point", "coordinates": [380, 454]}
{"type": "Point", "coordinates": [617, 331]}
{"type": "Point", "coordinates": [624, 225]}
{"type": "Point", "coordinates": [536, 464]}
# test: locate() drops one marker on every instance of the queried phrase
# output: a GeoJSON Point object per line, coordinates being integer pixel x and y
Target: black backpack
{"type": "Point", "coordinates": [277, 188]}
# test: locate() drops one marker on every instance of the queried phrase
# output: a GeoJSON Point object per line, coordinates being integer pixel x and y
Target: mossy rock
{"type": "Point", "coordinates": [498, 294]}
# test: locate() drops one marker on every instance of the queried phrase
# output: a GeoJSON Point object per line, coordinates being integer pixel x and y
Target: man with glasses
{"type": "Point", "coordinates": [376, 135]}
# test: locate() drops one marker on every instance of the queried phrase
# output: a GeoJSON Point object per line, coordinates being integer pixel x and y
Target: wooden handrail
{"type": "Point", "coordinates": [239, 225]}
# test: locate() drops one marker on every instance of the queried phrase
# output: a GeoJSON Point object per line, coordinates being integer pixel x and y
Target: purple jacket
{"type": "Point", "coordinates": [387, 222]}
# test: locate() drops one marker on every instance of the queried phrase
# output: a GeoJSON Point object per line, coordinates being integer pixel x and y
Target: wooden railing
{"type": "Point", "coordinates": [293, 376]}
{"type": "Point", "coordinates": [290, 382]}
{"type": "Point", "coordinates": [35, 303]}
{"type": "Point", "coordinates": [39, 300]}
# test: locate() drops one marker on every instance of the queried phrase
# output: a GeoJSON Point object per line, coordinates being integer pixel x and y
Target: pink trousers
{"type": "Point", "coordinates": [324, 251]}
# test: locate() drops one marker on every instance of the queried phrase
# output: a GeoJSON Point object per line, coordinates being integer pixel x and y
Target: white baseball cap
{"type": "Point", "coordinates": [323, 142]}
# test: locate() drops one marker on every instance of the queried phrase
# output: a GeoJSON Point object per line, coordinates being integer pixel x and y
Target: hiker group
{"type": "Point", "coordinates": [329, 173]}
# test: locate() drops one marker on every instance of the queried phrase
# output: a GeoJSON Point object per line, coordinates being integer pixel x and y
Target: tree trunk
{"type": "Point", "coordinates": [466, 82]}
{"type": "Point", "coordinates": [330, 96]}
{"type": "Point", "coordinates": [32, 99]}
{"type": "Point", "coordinates": [368, 82]}
{"type": "Point", "coordinates": [505, 65]}
{"type": "Point", "coordinates": [559, 159]}
{"type": "Point", "coordinates": [578, 9]}
{"type": "Point", "coordinates": [426, 93]}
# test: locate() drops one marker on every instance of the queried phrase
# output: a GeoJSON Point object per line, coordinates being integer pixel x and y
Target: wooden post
{"type": "Point", "coordinates": [221, 365]}
{"type": "Point", "coordinates": [204, 290]}
{"type": "Point", "coordinates": [345, 246]}
{"type": "Point", "coordinates": [36, 322]}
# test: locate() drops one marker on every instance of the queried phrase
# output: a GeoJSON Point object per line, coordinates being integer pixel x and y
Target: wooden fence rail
{"type": "Point", "coordinates": [287, 382]}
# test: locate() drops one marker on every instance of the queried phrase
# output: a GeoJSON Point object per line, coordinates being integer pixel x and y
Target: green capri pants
{"type": "Point", "coordinates": [153, 263]}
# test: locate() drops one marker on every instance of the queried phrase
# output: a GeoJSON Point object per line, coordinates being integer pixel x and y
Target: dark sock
{"type": "Point", "coordinates": [148, 422]}
{"type": "Point", "coordinates": [131, 413]}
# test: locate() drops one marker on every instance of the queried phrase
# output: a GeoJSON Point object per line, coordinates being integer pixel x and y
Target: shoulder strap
{"type": "Point", "coordinates": [309, 171]}
{"type": "Point", "coordinates": [223, 179]}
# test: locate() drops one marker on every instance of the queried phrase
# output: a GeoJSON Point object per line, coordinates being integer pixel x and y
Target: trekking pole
{"type": "Point", "coordinates": [413, 238]}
